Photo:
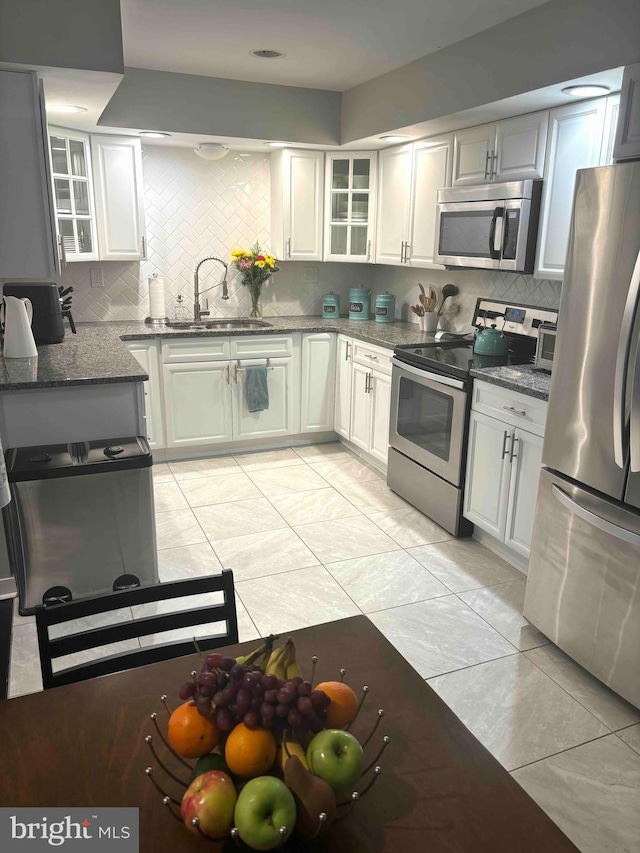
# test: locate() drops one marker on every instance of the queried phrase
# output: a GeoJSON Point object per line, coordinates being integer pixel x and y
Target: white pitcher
{"type": "Point", "coordinates": [17, 315]}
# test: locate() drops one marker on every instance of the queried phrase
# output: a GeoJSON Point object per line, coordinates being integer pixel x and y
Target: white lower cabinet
{"type": "Point", "coordinates": [283, 415]}
{"type": "Point", "coordinates": [342, 413]}
{"type": "Point", "coordinates": [360, 407]}
{"type": "Point", "coordinates": [147, 355]}
{"type": "Point", "coordinates": [317, 387]}
{"type": "Point", "coordinates": [370, 411]}
{"type": "Point", "coordinates": [503, 468]}
{"type": "Point", "coordinates": [197, 403]}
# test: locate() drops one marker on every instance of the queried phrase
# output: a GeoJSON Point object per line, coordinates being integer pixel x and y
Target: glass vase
{"type": "Point", "coordinates": [255, 290]}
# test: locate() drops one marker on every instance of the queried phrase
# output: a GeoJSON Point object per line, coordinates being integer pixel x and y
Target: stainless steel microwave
{"type": "Point", "coordinates": [490, 226]}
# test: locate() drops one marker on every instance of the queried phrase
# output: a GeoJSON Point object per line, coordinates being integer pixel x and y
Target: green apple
{"type": "Point", "coordinates": [337, 757]}
{"type": "Point", "coordinates": [211, 797]}
{"type": "Point", "coordinates": [265, 804]}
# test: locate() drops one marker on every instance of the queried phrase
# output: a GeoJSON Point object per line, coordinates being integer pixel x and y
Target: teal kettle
{"type": "Point", "coordinates": [490, 342]}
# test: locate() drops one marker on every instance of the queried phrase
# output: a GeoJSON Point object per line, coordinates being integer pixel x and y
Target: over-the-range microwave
{"type": "Point", "coordinates": [490, 226]}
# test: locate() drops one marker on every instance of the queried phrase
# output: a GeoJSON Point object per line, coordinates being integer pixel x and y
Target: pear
{"type": "Point", "coordinates": [312, 796]}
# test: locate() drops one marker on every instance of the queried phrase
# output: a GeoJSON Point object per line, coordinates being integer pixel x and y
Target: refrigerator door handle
{"type": "Point", "coordinates": [622, 366]}
{"type": "Point", "coordinates": [634, 437]}
{"type": "Point", "coordinates": [593, 519]}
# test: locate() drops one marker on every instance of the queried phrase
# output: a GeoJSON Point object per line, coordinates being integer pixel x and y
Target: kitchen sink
{"type": "Point", "coordinates": [231, 323]}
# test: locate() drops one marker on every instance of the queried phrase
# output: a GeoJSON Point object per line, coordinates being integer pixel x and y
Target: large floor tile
{"type": "Point", "coordinates": [167, 497]}
{"type": "Point", "coordinates": [603, 703]}
{"type": "Point", "coordinates": [464, 564]}
{"type": "Point", "coordinates": [188, 561]}
{"type": "Point", "coordinates": [441, 635]}
{"type": "Point", "coordinates": [346, 470]}
{"type": "Point", "coordinates": [501, 606]}
{"type": "Point", "coordinates": [234, 519]}
{"type": "Point", "coordinates": [17, 618]}
{"type": "Point", "coordinates": [345, 538]}
{"type": "Point", "coordinates": [190, 469]}
{"type": "Point", "coordinates": [386, 580]}
{"type": "Point", "coordinates": [286, 481]}
{"type": "Point", "coordinates": [409, 527]}
{"type": "Point", "coordinates": [256, 554]}
{"type": "Point", "coordinates": [372, 496]}
{"type": "Point", "coordinates": [161, 473]}
{"type": "Point", "coordinates": [294, 600]}
{"type": "Point", "coordinates": [631, 736]}
{"type": "Point", "coordinates": [316, 505]}
{"type": "Point", "coordinates": [592, 792]}
{"type": "Point", "coordinates": [24, 671]}
{"type": "Point", "coordinates": [174, 529]}
{"type": "Point", "coordinates": [265, 459]}
{"type": "Point", "coordinates": [516, 711]}
{"type": "Point", "coordinates": [328, 452]}
{"type": "Point", "coordinates": [206, 491]}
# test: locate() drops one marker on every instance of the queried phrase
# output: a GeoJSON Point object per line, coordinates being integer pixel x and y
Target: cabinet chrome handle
{"type": "Point", "coordinates": [289, 247]}
{"type": "Point", "coordinates": [406, 252]}
{"type": "Point", "coordinates": [486, 166]}
{"type": "Point", "coordinates": [402, 252]}
{"type": "Point", "coordinates": [519, 412]}
{"type": "Point", "coordinates": [228, 369]}
{"type": "Point", "coordinates": [505, 450]}
{"type": "Point", "coordinates": [347, 351]}
{"type": "Point", "coordinates": [494, 165]}
{"type": "Point", "coordinates": [369, 250]}
{"type": "Point", "coordinates": [235, 373]}
{"type": "Point", "coordinates": [144, 248]}
{"type": "Point", "coordinates": [513, 455]}
{"type": "Point", "coordinates": [372, 357]}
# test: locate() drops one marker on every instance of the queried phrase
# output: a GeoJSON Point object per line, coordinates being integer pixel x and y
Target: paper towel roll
{"type": "Point", "coordinates": [157, 309]}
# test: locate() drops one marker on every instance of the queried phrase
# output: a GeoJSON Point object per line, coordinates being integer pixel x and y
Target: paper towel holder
{"type": "Point", "coordinates": [155, 321]}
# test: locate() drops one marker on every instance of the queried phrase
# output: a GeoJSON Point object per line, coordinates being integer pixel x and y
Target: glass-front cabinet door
{"type": "Point", "coordinates": [73, 194]}
{"type": "Point", "coordinates": [350, 206]}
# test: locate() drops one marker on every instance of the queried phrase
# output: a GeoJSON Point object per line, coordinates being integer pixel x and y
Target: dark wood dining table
{"type": "Point", "coordinates": [440, 790]}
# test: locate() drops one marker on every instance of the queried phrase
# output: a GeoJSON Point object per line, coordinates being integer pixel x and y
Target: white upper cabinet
{"type": "Point", "coordinates": [394, 204]}
{"type": "Point", "coordinates": [349, 206]}
{"type": "Point", "coordinates": [510, 150]}
{"type": "Point", "coordinates": [627, 137]}
{"type": "Point", "coordinates": [28, 242]}
{"type": "Point", "coordinates": [117, 162]}
{"type": "Point", "coordinates": [297, 204]}
{"type": "Point", "coordinates": [610, 126]}
{"type": "Point", "coordinates": [431, 172]}
{"type": "Point", "coordinates": [574, 142]}
{"type": "Point", "coordinates": [408, 183]}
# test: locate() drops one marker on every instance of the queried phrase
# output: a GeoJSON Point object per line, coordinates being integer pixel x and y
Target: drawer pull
{"type": "Point", "coordinates": [372, 357]}
{"type": "Point", "coordinates": [519, 412]}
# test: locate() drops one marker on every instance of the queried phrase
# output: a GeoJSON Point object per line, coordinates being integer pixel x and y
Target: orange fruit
{"type": "Point", "coordinates": [344, 704]}
{"type": "Point", "coordinates": [191, 734]}
{"type": "Point", "coordinates": [249, 752]}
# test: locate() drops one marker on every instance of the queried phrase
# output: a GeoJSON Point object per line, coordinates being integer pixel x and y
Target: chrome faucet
{"type": "Point", "coordinates": [198, 313]}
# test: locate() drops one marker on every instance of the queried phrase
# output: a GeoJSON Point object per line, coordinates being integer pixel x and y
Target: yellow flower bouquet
{"type": "Point", "coordinates": [255, 267]}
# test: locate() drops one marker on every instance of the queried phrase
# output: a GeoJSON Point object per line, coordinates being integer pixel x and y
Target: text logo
{"type": "Point", "coordinates": [29, 830]}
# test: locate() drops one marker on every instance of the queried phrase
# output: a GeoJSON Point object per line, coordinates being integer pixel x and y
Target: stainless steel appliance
{"type": "Point", "coordinates": [583, 589]}
{"type": "Point", "coordinates": [81, 521]}
{"type": "Point", "coordinates": [546, 346]}
{"type": "Point", "coordinates": [491, 226]}
{"type": "Point", "coordinates": [430, 403]}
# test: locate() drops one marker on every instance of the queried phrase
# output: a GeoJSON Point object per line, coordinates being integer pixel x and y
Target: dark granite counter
{"type": "Point", "coordinates": [523, 378]}
{"type": "Point", "coordinates": [96, 355]}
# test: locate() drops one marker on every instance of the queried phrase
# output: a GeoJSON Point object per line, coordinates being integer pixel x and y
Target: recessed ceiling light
{"type": "Point", "coordinates": [587, 91]}
{"type": "Point", "coordinates": [276, 144]}
{"type": "Point", "coordinates": [153, 134]}
{"type": "Point", "coordinates": [394, 137]}
{"type": "Point", "coordinates": [267, 54]}
{"type": "Point", "coordinates": [65, 108]}
{"type": "Point", "coordinates": [211, 151]}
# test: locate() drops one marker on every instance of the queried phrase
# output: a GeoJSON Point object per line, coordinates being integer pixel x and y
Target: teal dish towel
{"type": "Point", "coordinates": [257, 389]}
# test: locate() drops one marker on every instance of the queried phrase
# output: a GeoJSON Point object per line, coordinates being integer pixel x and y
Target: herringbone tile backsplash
{"type": "Point", "coordinates": [196, 208]}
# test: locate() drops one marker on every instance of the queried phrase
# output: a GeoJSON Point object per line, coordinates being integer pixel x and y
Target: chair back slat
{"type": "Point", "coordinates": [81, 641]}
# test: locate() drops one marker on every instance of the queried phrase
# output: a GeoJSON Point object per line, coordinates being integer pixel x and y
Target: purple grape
{"type": "Point", "coordinates": [267, 712]}
{"type": "Point", "coordinates": [218, 699]}
{"type": "Point", "coordinates": [282, 710]}
{"type": "Point", "coordinates": [249, 681]}
{"type": "Point", "coordinates": [293, 718]}
{"type": "Point", "coordinates": [243, 700]}
{"type": "Point", "coordinates": [271, 696]}
{"type": "Point", "coordinates": [285, 696]}
{"type": "Point", "coordinates": [297, 680]}
{"type": "Point", "coordinates": [209, 692]}
{"type": "Point", "coordinates": [304, 689]}
{"type": "Point", "coordinates": [316, 725]}
{"type": "Point", "coordinates": [187, 690]}
{"type": "Point", "coordinates": [269, 682]}
{"type": "Point", "coordinates": [203, 705]}
{"type": "Point", "coordinates": [213, 661]}
{"type": "Point", "coordinates": [317, 698]}
{"type": "Point", "coordinates": [281, 683]}
{"type": "Point", "coordinates": [268, 724]}
{"type": "Point", "coordinates": [237, 671]}
{"type": "Point", "coordinates": [223, 719]}
{"type": "Point", "coordinates": [222, 679]}
{"type": "Point", "coordinates": [256, 702]}
{"type": "Point", "coordinates": [251, 719]}
{"type": "Point", "coordinates": [305, 706]}
{"type": "Point", "coordinates": [207, 679]}
{"type": "Point", "coordinates": [229, 692]}
{"type": "Point", "coordinates": [227, 664]}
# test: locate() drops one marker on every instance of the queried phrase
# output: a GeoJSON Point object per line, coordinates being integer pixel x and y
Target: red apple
{"type": "Point", "coordinates": [211, 797]}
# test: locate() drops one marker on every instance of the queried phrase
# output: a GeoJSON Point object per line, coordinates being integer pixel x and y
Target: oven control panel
{"type": "Point", "coordinates": [512, 317]}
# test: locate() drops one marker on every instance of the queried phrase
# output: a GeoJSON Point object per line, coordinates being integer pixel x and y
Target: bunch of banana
{"type": "Point", "coordinates": [260, 656]}
{"type": "Point", "coordinates": [282, 662]}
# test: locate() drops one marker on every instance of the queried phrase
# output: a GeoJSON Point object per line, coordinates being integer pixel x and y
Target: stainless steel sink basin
{"type": "Point", "coordinates": [231, 323]}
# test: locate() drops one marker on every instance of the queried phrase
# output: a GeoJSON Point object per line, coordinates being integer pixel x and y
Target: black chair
{"type": "Point", "coordinates": [50, 649]}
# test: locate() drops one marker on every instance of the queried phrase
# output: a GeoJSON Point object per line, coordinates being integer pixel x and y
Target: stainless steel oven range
{"type": "Point", "coordinates": [430, 403]}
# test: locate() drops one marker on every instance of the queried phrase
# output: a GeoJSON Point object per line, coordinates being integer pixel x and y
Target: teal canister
{"type": "Point", "coordinates": [385, 307]}
{"type": "Point", "coordinates": [359, 303]}
{"type": "Point", "coordinates": [330, 305]}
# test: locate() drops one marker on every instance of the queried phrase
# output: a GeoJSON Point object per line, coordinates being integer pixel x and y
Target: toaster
{"type": "Point", "coordinates": [47, 324]}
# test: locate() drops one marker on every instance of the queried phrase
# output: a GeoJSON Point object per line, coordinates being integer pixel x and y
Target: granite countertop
{"type": "Point", "coordinates": [96, 355]}
{"type": "Point", "coordinates": [523, 378]}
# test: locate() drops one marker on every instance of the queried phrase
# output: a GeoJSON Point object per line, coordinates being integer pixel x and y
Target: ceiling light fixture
{"type": "Point", "coordinates": [65, 108]}
{"type": "Point", "coordinates": [267, 54]}
{"type": "Point", "coordinates": [276, 144]}
{"type": "Point", "coordinates": [586, 91]}
{"type": "Point", "coordinates": [153, 134]}
{"type": "Point", "coordinates": [211, 151]}
{"type": "Point", "coordinates": [394, 137]}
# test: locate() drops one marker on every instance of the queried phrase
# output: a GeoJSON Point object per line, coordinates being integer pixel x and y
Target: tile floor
{"type": "Point", "coordinates": [313, 534]}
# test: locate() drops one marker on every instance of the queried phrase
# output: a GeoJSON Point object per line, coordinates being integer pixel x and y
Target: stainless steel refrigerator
{"type": "Point", "coordinates": [583, 588]}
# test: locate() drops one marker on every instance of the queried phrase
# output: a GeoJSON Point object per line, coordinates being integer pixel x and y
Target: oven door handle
{"type": "Point", "coordinates": [426, 374]}
{"type": "Point", "coordinates": [493, 252]}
